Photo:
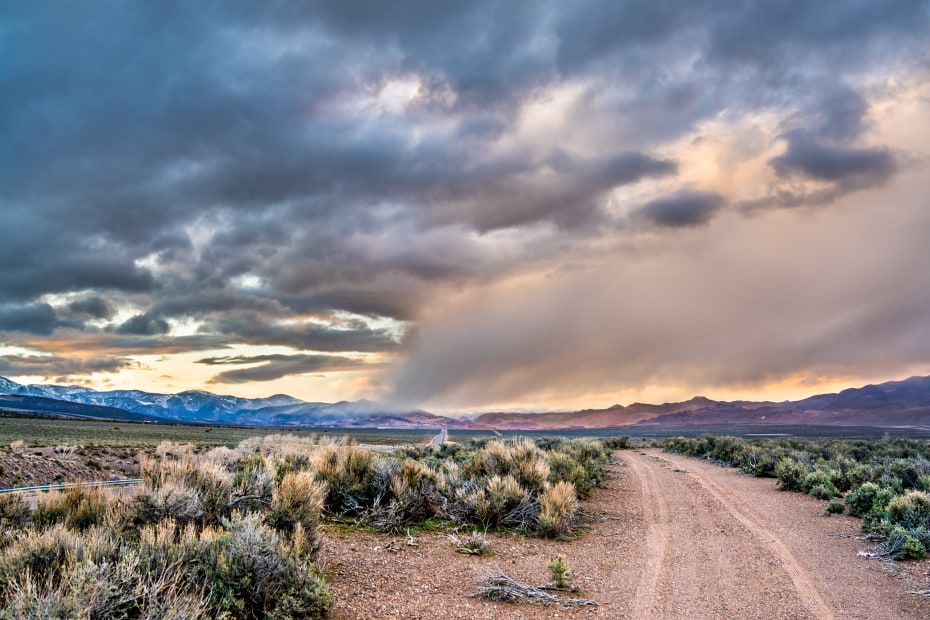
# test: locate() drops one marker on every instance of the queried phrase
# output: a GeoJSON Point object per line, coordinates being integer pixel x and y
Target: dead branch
{"type": "Point", "coordinates": [498, 586]}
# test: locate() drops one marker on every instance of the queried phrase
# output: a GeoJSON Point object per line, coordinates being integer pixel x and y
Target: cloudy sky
{"type": "Point", "coordinates": [469, 205]}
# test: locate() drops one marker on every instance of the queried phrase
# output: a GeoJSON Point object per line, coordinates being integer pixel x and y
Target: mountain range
{"type": "Point", "coordinates": [893, 404]}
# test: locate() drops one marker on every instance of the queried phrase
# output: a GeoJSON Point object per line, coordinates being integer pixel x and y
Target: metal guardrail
{"type": "Point", "coordinates": [61, 486]}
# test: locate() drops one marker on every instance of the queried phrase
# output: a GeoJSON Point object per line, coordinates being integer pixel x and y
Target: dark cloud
{"type": "Point", "coordinates": [143, 325]}
{"type": "Point", "coordinates": [55, 367]}
{"type": "Point", "coordinates": [787, 32]}
{"type": "Point", "coordinates": [36, 318]}
{"type": "Point", "coordinates": [351, 336]}
{"type": "Point", "coordinates": [276, 366]}
{"type": "Point", "coordinates": [681, 210]}
{"type": "Point", "coordinates": [568, 191]}
{"type": "Point", "coordinates": [815, 160]}
{"type": "Point", "coordinates": [94, 307]}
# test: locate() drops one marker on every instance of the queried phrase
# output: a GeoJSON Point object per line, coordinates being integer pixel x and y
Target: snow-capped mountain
{"type": "Point", "coordinates": [205, 407]}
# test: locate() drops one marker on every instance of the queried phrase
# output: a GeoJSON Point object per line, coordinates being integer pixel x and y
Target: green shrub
{"type": "Point", "coordinates": [297, 500]}
{"type": "Point", "coordinates": [823, 491]}
{"type": "Point", "coordinates": [836, 507]}
{"type": "Point", "coordinates": [910, 511]}
{"type": "Point", "coordinates": [902, 545]}
{"type": "Point", "coordinates": [618, 443]}
{"type": "Point", "coordinates": [868, 498]}
{"type": "Point", "coordinates": [790, 474]}
{"type": "Point", "coordinates": [559, 570]}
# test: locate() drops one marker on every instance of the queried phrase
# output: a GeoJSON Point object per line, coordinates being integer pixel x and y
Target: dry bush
{"type": "Point", "coordinates": [170, 500]}
{"type": "Point", "coordinates": [297, 501]}
{"type": "Point", "coordinates": [14, 511]}
{"type": "Point", "coordinates": [78, 508]}
{"type": "Point", "coordinates": [282, 445]}
{"type": "Point", "coordinates": [475, 543]}
{"type": "Point", "coordinates": [557, 506]}
{"type": "Point", "coordinates": [349, 472]}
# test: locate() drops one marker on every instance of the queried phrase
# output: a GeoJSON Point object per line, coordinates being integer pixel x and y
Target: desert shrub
{"type": "Point", "coordinates": [900, 544]}
{"type": "Point", "coordinates": [414, 497]}
{"type": "Point", "coordinates": [590, 457]}
{"type": "Point", "coordinates": [78, 508]}
{"type": "Point", "coordinates": [835, 507]}
{"type": "Point", "coordinates": [790, 474]}
{"type": "Point", "coordinates": [760, 463]}
{"type": "Point", "coordinates": [822, 491]}
{"type": "Point", "coordinates": [562, 467]}
{"type": "Point", "coordinates": [910, 511]}
{"type": "Point", "coordinates": [521, 459]}
{"type": "Point", "coordinates": [212, 483]}
{"type": "Point", "coordinates": [49, 511]}
{"type": "Point", "coordinates": [348, 472]}
{"type": "Point", "coordinates": [868, 498]}
{"type": "Point", "coordinates": [169, 564]}
{"type": "Point", "coordinates": [557, 506]}
{"type": "Point", "coordinates": [14, 511]}
{"type": "Point", "coordinates": [297, 500]}
{"type": "Point", "coordinates": [475, 543]}
{"type": "Point", "coordinates": [170, 500]}
{"type": "Point", "coordinates": [818, 484]}
{"type": "Point", "coordinates": [618, 443]}
{"type": "Point", "coordinates": [40, 555]}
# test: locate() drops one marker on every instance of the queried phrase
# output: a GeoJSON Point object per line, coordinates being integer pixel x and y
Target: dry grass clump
{"type": "Point", "coordinates": [557, 507]}
{"type": "Point", "coordinates": [206, 536]}
{"type": "Point", "coordinates": [475, 543]}
{"type": "Point", "coordinates": [79, 508]}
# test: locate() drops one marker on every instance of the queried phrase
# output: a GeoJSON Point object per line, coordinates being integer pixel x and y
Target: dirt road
{"type": "Point", "coordinates": [672, 538]}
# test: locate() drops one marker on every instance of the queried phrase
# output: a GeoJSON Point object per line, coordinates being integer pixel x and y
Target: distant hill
{"type": "Point", "coordinates": [36, 405]}
{"type": "Point", "coordinates": [896, 403]}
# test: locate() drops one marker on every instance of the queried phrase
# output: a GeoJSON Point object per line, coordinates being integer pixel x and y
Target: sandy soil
{"type": "Point", "coordinates": [670, 537]}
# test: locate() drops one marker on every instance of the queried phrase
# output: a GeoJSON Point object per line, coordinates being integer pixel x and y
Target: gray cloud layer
{"type": "Point", "coordinates": [294, 173]}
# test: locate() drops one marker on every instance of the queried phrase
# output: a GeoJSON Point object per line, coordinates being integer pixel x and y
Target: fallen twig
{"type": "Point", "coordinates": [501, 587]}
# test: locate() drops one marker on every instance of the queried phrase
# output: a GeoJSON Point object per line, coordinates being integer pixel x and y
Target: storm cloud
{"type": "Point", "coordinates": [682, 210]}
{"type": "Point", "coordinates": [330, 177]}
{"type": "Point", "coordinates": [272, 367]}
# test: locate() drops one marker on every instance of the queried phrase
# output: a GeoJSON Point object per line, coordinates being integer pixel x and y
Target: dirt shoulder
{"type": "Point", "coordinates": [30, 466]}
{"type": "Point", "coordinates": [671, 537]}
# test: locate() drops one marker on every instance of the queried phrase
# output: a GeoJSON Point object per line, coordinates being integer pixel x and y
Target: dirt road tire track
{"type": "Point", "coordinates": [657, 541]}
{"type": "Point", "coordinates": [706, 558]}
{"type": "Point", "coordinates": [753, 522]}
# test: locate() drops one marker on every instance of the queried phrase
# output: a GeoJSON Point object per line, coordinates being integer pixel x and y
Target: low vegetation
{"type": "Point", "coordinates": [883, 482]}
{"type": "Point", "coordinates": [233, 532]}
